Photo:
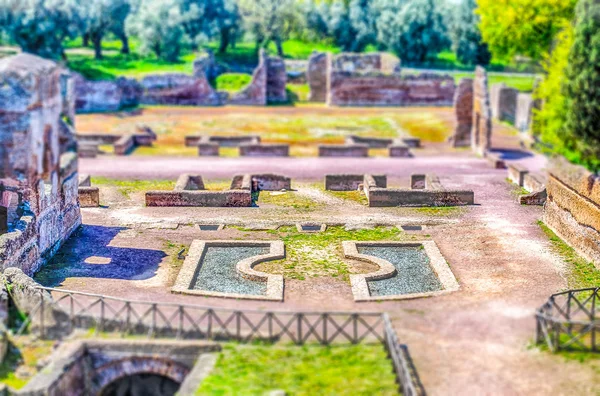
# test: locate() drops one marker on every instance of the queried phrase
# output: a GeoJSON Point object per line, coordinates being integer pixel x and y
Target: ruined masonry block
{"type": "Point", "coordinates": [208, 149]}
{"type": "Point", "coordinates": [463, 108]}
{"type": "Point", "coordinates": [264, 150]}
{"type": "Point", "coordinates": [400, 151]}
{"type": "Point", "coordinates": [481, 134]}
{"type": "Point", "coordinates": [516, 174]}
{"type": "Point", "coordinates": [89, 197]}
{"type": "Point", "coordinates": [350, 150]}
{"type": "Point", "coordinates": [417, 182]}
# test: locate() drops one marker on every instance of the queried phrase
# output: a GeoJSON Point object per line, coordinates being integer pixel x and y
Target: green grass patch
{"type": "Point", "coordinates": [288, 199]}
{"type": "Point", "coordinates": [232, 82]}
{"type": "Point", "coordinates": [301, 370]}
{"type": "Point", "coordinates": [356, 196]}
{"type": "Point", "coordinates": [522, 83]}
{"type": "Point", "coordinates": [311, 255]}
{"type": "Point", "coordinates": [448, 211]}
{"type": "Point", "coordinates": [127, 187]}
{"type": "Point", "coordinates": [581, 273]}
{"type": "Point", "coordinates": [21, 353]}
{"type": "Point", "coordinates": [115, 65]}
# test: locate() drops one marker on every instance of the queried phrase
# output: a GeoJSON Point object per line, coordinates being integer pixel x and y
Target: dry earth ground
{"type": "Point", "coordinates": [474, 341]}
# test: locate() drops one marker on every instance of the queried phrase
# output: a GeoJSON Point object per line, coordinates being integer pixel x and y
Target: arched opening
{"type": "Point", "coordinates": [143, 384]}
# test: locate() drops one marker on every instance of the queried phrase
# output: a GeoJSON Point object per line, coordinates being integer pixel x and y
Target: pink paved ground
{"type": "Point", "coordinates": [475, 341]}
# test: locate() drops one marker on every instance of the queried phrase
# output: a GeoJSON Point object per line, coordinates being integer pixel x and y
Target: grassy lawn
{"type": "Point", "coordinates": [301, 370]}
{"type": "Point", "coordinates": [232, 82]}
{"type": "Point", "coordinates": [522, 83]}
{"type": "Point", "coordinates": [303, 126]}
{"type": "Point", "coordinates": [312, 255]}
{"type": "Point", "coordinates": [580, 272]}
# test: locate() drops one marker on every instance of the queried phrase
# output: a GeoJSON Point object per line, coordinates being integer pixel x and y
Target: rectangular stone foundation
{"type": "Point", "coordinates": [214, 199]}
{"type": "Point", "coordinates": [350, 150]}
{"type": "Point", "coordinates": [388, 197]}
{"type": "Point", "coordinates": [264, 150]}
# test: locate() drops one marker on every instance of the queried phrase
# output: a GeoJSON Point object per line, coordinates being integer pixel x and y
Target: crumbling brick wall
{"type": "Point", "coordinates": [482, 115]}
{"type": "Point", "coordinates": [503, 101]}
{"type": "Point", "coordinates": [36, 103]}
{"type": "Point", "coordinates": [377, 89]}
{"type": "Point", "coordinates": [276, 80]}
{"type": "Point", "coordinates": [463, 108]}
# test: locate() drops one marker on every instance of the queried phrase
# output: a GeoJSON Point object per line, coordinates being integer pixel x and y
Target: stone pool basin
{"type": "Point", "coordinates": [226, 269]}
{"type": "Point", "coordinates": [407, 270]}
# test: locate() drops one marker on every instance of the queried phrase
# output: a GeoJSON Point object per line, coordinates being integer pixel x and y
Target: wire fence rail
{"type": "Point", "coordinates": [60, 312]}
{"type": "Point", "coordinates": [570, 321]}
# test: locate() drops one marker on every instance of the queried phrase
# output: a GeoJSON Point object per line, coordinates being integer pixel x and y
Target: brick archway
{"type": "Point", "coordinates": [118, 369]}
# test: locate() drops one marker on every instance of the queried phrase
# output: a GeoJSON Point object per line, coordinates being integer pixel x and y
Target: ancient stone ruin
{"type": "Point", "coordinates": [268, 85]}
{"type": "Point", "coordinates": [463, 108]}
{"type": "Point", "coordinates": [38, 172]}
{"type": "Point", "coordinates": [503, 101]}
{"type": "Point", "coordinates": [481, 134]}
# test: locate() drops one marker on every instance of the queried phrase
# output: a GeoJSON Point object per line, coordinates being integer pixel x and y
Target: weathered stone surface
{"type": "Point", "coordinates": [503, 101]}
{"type": "Point", "coordinates": [388, 197]}
{"type": "Point", "coordinates": [264, 150]}
{"type": "Point", "coordinates": [96, 96]}
{"type": "Point", "coordinates": [343, 150]}
{"type": "Point", "coordinates": [255, 94]}
{"type": "Point", "coordinates": [572, 209]}
{"type": "Point", "coordinates": [33, 164]}
{"type": "Point", "coordinates": [356, 89]}
{"type": "Point", "coordinates": [189, 182]}
{"type": "Point", "coordinates": [179, 90]}
{"type": "Point", "coordinates": [481, 135]}
{"type": "Point", "coordinates": [398, 150]}
{"type": "Point", "coordinates": [89, 197]}
{"type": "Point", "coordinates": [131, 91]}
{"type": "Point", "coordinates": [524, 112]}
{"type": "Point", "coordinates": [353, 182]}
{"type": "Point", "coordinates": [317, 72]}
{"type": "Point", "coordinates": [276, 80]}
{"type": "Point", "coordinates": [463, 108]}
{"type": "Point", "coordinates": [215, 199]}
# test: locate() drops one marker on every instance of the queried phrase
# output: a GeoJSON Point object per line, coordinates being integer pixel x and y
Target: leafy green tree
{"type": "Point", "coordinates": [99, 17]}
{"type": "Point", "coordinates": [40, 26]}
{"type": "Point", "coordinates": [120, 12]}
{"type": "Point", "coordinates": [316, 19]}
{"type": "Point", "coordinates": [523, 27]}
{"type": "Point", "coordinates": [582, 84]}
{"type": "Point", "coordinates": [270, 20]}
{"type": "Point", "coordinates": [466, 37]}
{"type": "Point", "coordinates": [414, 30]}
{"type": "Point", "coordinates": [362, 20]}
{"type": "Point", "coordinates": [340, 26]}
{"type": "Point", "coordinates": [158, 24]}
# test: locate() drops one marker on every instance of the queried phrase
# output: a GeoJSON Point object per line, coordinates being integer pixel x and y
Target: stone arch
{"type": "Point", "coordinates": [121, 368]}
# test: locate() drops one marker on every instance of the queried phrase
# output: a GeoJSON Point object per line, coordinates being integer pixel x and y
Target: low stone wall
{"type": "Point", "coordinates": [188, 182]}
{"type": "Point", "coordinates": [388, 197]}
{"type": "Point", "coordinates": [354, 89]}
{"type": "Point", "coordinates": [264, 150]}
{"type": "Point", "coordinates": [124, 145]}
{"type": "Point", "coordinates": [369, 141]}
{"type": "Point", "coordinates": [348, 150]}
{"type": "Point", "coordinates": [255, 93]}
{"type": "Point", "coordinates": [503, 102]}
{"type": "Point", "coordinates": [222, 141]}
{"type": "Point", "coordinates": [352, 182]}
{"type": "Point", "coordinates": [178, 89]}
{"type": "Point", "coordinates": [211, 199]}
{"type": "Point", "coordinates": [261, 182]}
{"type": "Point", "coordinates": [572, 210]}
{"type": "Point", "coordinates": [96, 96]}
{"type": "Point", "coordinates": [400, 150]}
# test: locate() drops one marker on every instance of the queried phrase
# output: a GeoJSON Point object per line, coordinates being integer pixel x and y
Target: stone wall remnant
{"type": "Point", "coordinates": [524, 113]}
{"type": "Point", "coordinates": [378, 89]}
{"type": "Point", "coordinates": [344, 150]}
{"type": "Point", "coordinates": [178, 89]}
{"type": "Point", "coordinates": [276, 80]}
{"type": "Point", "coordinates": [255, 93]}
{"type": "Point", "coordinates": [481, 134]}
{"type": "Point", "coordinates": [572, 210]}
{"type": "Point", "coordinates": [463, 108]}
{"type": "Point", "coordinates": [35, 102]}
{"type": "Point", "coordinates": [316, 74]}
{"type": "Point", "coordinates": [264, 150]}
{"type": "Point", "coordinates": [503, 101]}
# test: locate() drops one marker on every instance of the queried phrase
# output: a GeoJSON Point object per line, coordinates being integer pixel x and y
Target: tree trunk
{"type": "Point", "coordinates": [125, 44]}
{"type": "Point", "coordinates": [279, 46]}
{"type": "Point", "coordinates": [97, 41]}
{"type": "Point", "coordinates": [225, 38]}
{"type": "Point", "coordinates": [86, 40]}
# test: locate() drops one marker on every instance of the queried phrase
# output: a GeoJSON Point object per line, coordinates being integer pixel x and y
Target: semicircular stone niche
{"type": "Point", "coordinates": [226, 269]}
{"type": "Point", "coordinates": [406, 270]}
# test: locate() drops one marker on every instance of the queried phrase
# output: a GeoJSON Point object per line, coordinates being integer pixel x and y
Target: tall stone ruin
{"type": "Point", "coordinates": [38, 161]}
{"type": "Point", "coordinates": [463, 108]}
{"type": "Point", "coordinates": [481, 134]}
